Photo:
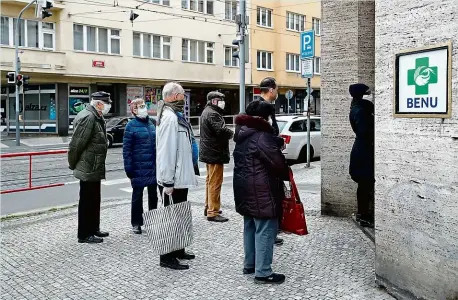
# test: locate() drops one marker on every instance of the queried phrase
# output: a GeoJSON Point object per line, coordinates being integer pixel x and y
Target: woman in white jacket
{"type": "Point", "coordinates": [174, 159]}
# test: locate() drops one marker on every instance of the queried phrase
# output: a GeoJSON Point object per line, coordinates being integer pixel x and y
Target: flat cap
{"type": "Point", "coordinates": [215, 94]}
{"type": "Point", "coordinates": [102, 96]}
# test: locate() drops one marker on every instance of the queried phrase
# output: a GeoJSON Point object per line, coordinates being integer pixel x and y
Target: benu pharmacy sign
{"type": "Point", "coordinates": [423, 83]}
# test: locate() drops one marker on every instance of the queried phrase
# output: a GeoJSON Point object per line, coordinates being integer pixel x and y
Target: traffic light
{"type": "Point", "coordinates": [235, 54]}
{"type": "Point", "coordinates": [19, 80]}
{"type": "Point", "coordinates": [42, 9]}
{"type": "Point", "coordinates": [25, 80]}
{"type": "Point", "coordinates": [11, 77]}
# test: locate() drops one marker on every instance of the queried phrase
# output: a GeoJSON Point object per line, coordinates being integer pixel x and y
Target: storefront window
{"type": "Point", "coordinates": [78, 98]}
{"type": "Point", "coordinates": [37, 108]}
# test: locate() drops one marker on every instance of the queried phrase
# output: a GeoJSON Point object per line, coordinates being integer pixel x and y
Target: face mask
{"type": "Point", "coordinates": [270, 121]}
{"type": "Point", "coordinates": [276, 97]}
{"type": "Point", "coordinates": [106, 108]}
{"type": "Point", "coordinates": [221, 104]}
{"type": "Point", "coordinates": [142, 113]}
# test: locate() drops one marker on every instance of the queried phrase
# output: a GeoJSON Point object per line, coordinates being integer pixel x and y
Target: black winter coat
{"type": "Point", "coordinates": [259, 169]}
{"type": "Point", "coordinates": [214, 136]}
{"type": "Point", "coordinates": [362, 154]}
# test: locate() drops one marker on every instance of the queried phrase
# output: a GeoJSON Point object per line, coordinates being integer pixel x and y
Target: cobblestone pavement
{"type": "Point", "coordinates": [41, 259]}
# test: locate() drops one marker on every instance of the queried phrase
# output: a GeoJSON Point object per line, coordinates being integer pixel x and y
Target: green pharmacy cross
{"type": "Point", "coordinates": [422, 76]}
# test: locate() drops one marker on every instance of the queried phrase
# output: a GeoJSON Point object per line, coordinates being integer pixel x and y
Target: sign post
{"type": "Point", "coordinates": [307, 54]}
{"type": "Point", "coordinates": [289, 96]}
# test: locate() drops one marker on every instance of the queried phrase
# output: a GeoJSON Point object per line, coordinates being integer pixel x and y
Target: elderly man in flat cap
{"type": "Point", "coordinates": [214, 151]}
{"type": "Point", "coordinates": [86, 157]}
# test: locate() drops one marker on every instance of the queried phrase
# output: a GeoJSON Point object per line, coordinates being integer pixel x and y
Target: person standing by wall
{"type": "Point", "coordinates": [214, 151]}
{"type": "Point", "coordinates": [259, 171]}
{"type": "Point", "coordinates": [362, 154]}
{"type": "Point", "coordinates": [86, 157]}
{"type": "Point", "coordinates": [139, 153]}
{"type": "Point", "coordinates": [177, 156]}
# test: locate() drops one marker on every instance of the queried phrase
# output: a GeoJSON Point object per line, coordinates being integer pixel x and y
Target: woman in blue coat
{"type": "Point", "coordinates": [139, 153]}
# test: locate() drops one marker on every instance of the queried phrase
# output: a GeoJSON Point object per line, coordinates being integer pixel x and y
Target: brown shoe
{"type": "Point", "coordinates": [218, 218]}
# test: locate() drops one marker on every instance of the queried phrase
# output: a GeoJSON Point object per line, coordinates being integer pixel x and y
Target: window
{"type": "Point", "coordinates": [264, 17]}
{"type": "Point", "coordinates": [155, 46]}
{"type": "Point", "coordinates": [295, 21]}
{"type": "Point", "coordinates": [316, 25]}
{"type": "Point", "coordinates": [230, 9]}
{"type": "Point", "coordinates": [292, 62]}
{"type": "Point", "coordinates": [162, 2]}
{"type": "Point", "coordinates": [95, 39]}
{"type": "Point", "coordinates": [202, 6]}
{"type": "Point", "coordinates": [230, 61]}
{"type": "Point", "coordinates": [33, 34]}
{"type": "Point", "coordinates": [317, 65]}
{"type": "Point", "coordinates": [197, 51]}
{"type": "Point", "coordinates": [264, 61]}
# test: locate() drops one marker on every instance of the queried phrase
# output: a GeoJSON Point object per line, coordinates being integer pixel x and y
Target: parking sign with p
{"type": "Point", "coordinates": [307, 44]}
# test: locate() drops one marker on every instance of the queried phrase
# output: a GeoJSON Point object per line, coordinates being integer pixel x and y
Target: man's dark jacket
{"type": "Point", "coordinates": [274, 119]}
{"type": "Point", "coordinates": [139, 152]}
{"type": "Point", "coordinates": [88, 147]}
{"type": "Point", "coordinates": [259, 169]}
{"type": "Point", "coordinates": [362, 154]}
{"type": "Point", "coordinates": [214, 136]}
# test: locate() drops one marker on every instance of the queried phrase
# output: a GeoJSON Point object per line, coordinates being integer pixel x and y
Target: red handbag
{"type": "Point", "coordinates": [293, 216]}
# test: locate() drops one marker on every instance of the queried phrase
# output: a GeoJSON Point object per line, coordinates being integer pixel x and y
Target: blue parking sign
{"type": "Point", "coordinates": [307, 44]}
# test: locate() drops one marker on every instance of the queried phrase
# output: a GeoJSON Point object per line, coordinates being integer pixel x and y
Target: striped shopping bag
{"type": "Point", "coordinates": [169, 228]}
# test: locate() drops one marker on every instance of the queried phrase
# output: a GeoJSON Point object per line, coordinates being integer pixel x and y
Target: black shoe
{"type": "Point", "coordinates": [248, 271]}
{"type": "Point", "coordinates": [91, 240]}
{"type": "Point", "coordinates": [137, 229]}
{"type": "Point", "coordinates": [173, 264]}
{"type": "Point", "coordinates": [205, 212]}
{"type": "Point", "coordinates": [217, 218]}
{"type": "Point", "coordinates": [186, 255]}
{"type": "Point", "coordinates": [278, 241]}
{"type": "Point", "coordinates": [101, 234]}
{"type": "Point", "coordinates": [365, 223]}
{"type": "Point", "coordinates": [272, 279]}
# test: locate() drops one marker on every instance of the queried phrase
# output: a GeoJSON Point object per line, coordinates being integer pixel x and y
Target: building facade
{"type": "Point", "coordinates": [93, 46]}
{"type": "Point", "coordinates": [275, 48]}
{"type": "Point", "coordinates": [416, 188]}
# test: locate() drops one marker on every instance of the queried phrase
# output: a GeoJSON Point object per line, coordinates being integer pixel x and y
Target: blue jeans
{"type": "Point", "coordinates": [259, 238]}
{"type": "Point", "coordinates": [137, 203]}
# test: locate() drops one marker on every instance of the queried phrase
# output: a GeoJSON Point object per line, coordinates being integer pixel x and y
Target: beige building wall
{"type": "Point", "coordinates": [281, 40]}
{"type": "Point", "coordinates": [67, 65]}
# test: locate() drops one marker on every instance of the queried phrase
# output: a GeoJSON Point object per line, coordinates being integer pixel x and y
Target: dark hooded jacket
{"type": "Point", "coordinates": [362, 123]}
{"type": "Point", "coordinates": [214, 136]}
{"type": "Point", "coordinates": [259, 168]}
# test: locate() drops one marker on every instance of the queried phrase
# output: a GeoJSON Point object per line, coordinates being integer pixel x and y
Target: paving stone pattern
{"type": "Point", "coordinates": [41, 259]}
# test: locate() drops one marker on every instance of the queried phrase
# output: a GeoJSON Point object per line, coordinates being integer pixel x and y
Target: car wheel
{"type": "Point", "coordinates": [303, 154]}
{"type": "Point", "coordinates": [109, 140]}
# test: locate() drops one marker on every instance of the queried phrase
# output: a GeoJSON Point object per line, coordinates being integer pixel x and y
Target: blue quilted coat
{"type": "Point", "coordinates": [139, 152]}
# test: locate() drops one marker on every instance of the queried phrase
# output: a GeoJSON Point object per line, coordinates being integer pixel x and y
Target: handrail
{"type": "Point", "coordinates": [30, 154]}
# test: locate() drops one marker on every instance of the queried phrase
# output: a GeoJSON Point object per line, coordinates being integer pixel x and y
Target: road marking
{"type": "Point", "coordinates": [3, 146]}
{"type": "Point", "coordinates": [72, 182]}
{"type": "Point", "coordinates": [116, 181]}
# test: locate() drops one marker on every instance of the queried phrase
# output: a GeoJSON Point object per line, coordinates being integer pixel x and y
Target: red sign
{"type": "Point", "coordinates": [98, 64]}
{"type": "Point", "coordinates": [256, 91]}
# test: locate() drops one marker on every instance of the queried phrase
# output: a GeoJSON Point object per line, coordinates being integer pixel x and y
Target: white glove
{"type": "Point", "coordinates": [168, 190]}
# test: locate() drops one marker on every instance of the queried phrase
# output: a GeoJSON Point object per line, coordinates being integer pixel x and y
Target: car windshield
{"type": "Point", "coordinates": [281, 125]}
{"type": "Point", "coordinates": [113, 122]}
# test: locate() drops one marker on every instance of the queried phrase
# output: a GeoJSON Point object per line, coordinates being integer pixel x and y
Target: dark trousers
{"type": "Point", "coordinates": [178, 196]}
{"type": "Point", "coordinates": [89, 209]}
{"type": "Point", "coordinates": [365, 200]}
{"type": "Point", "coordinates": [137, 203]}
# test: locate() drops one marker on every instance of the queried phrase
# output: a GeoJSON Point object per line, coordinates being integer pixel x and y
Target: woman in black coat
{"type": "Point", "coordinates": [362, 153]}
{"type": "Point", "coordinates": [259, 171]}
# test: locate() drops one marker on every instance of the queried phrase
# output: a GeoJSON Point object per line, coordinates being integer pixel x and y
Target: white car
{"type": "Point", "coordinates": [293, 129]}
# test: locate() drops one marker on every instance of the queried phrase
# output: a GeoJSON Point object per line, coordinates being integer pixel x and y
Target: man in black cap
{"type": "Point", "coordinates": [214, 151]}
{"type": "Point", "coordinates": [362, 153]}
{"type": "Point", "coordinates": [86, 157]}
{"type": "Point", "coordinates": [269, 93]}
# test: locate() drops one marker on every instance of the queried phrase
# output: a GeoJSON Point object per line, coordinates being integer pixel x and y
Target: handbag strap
{"type": "Point", "coordinates": [294, 191]}
{"type": "Point", "coordinates": [163, 198]}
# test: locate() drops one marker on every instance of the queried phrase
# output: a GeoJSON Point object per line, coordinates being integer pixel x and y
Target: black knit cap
{"type": "Point", "coordinates": [102, 96]}
{"type": "Point", "coordinates": [258, 108]}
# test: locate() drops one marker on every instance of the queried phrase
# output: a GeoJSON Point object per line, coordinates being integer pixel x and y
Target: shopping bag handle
{"type": "Point", "coordinates": [292, 182]}
{"type": "Point", "coordinates": [163, 197]}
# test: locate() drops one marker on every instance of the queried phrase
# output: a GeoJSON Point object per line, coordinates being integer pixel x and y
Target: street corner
{"type": "Point", "coordinates": [334, 261]}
